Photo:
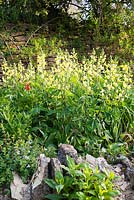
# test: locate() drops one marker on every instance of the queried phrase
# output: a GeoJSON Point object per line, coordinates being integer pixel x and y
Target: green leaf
{"type": "Point", "coordinates": [59, 177]}
{"type": "Point", "coordinates": [37, 110]}
{"type": "Point", "coordinates": [50, 112]}
{"type": "Point", "coordinates": [59, 188]}
{"type": "Point", "coordinates": [51, 183]}
{"type": "Point", "coordinates": [113, 193]}
{"type": "Point", "coordinates": [81, 195]}
{"type": "Point", "coordinates": [92, 192]}
{"type": "Point", "coordinates": [53, 196]}
{"type": "Point", "coordinates": [78, 173]}
{"type": "Point", "coordinates": [65, 168]}
{"type": "Point", "coordinates": [100, 176]}
{"type": "Point", "coordinates": [68, 181]}
{"type": "Point", "coordinates": [94, 198]}
{"type": "Point", "coordinates": [111, 175]}
{"type": "Point", "coordinates": [70, 162]}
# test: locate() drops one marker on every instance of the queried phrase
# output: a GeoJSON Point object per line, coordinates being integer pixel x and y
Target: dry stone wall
{"type": "Point", "coordinates": [36, 189]}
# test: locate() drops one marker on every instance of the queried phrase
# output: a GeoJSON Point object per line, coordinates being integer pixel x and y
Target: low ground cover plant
{"type": "Point", "coordinates": [81, 182]}
{"type": "Point", "coordinates": [88, 104]}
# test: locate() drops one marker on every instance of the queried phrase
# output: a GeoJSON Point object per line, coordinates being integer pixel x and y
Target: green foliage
{"type": "Point", "coordinates": [32, 11]}
{"type": "Point", "coordinates": [19, 156]}
{"type": "Point", "coordinates": [88, 104]}
{"type": "Point", "coordinates": [114, 150]}
{"type": "Point", "coordinates": [110, 24]}
{"type": "Point", "coordinates": [99, 24]}
{"type": "Point", "coordinates": [94, 98]}
{"type": "Point", "coordinates": [81, 182]}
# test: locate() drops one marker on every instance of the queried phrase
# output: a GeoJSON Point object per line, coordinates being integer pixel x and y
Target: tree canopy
{"type": "Point", "coordinates": [31, 9]}
{"type": "Point", "coordinates": [106, 21]}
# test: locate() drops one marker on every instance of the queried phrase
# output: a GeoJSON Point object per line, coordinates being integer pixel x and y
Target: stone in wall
{"type": "Point", "coordinates": [54, 166]}
{"type": "Point", "coordinates": [64, 150]}
{"type": "Point", "coordinates": [37, 188]}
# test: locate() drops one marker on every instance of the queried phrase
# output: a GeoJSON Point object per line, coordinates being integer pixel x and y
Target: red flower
{"type": "Point", "coordinates": [27, 86]}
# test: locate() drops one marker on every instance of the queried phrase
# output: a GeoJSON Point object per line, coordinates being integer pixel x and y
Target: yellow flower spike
{"type": "Point", "coordinates": [124, 68]}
